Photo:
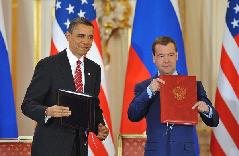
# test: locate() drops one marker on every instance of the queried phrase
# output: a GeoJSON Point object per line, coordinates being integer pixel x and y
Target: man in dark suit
{"type": "Point", "coordinates": [58, 72]}
{"type": "Point", "coordinates": [167, 139]}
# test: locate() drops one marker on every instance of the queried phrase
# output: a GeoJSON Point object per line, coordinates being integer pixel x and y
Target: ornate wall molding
{"type": "Point", "coordinates": [112, 16]}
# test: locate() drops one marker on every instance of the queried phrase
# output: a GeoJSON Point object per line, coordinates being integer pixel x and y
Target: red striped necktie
{"type": "Point", "coordinates": [78, 77]}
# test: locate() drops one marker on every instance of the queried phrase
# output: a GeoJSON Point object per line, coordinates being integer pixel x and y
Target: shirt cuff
{"type": "Point", "coordinates": [46, 118]}
{"type": "Point", "coordinates": [209, 114]}
{"type": "Point", "coordinates": [150, 93]}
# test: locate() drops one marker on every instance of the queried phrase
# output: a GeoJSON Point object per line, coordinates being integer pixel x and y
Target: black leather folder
{"type": "Point", "coordinates": [82, 109]}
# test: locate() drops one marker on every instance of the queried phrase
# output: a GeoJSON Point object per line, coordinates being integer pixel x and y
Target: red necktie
{"type": "Point", "coordinates": [78, 77]}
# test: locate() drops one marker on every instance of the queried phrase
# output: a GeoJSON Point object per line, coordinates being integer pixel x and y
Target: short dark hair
{"type": "Point", "coordinates": [163, 40]}
{"type": "Point", "coordinates": [79, 20]}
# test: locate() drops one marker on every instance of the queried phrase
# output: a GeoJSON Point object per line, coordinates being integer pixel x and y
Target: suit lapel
{"type": "Point", "coordinates": [88, 71]}
{"type": "Point", "coordinates": [65, 72]}
{"type": "Point", "coordinates": [67, 77]}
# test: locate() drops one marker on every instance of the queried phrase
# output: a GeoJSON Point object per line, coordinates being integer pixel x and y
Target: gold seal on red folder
{"type": "Point", "coordinates": [179, 93]}
{"type": "Point", "coordinates": [177, 96]}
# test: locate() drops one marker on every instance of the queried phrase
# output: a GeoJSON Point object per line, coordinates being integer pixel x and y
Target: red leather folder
{"type": "Point", "coordinates": [177, 96]}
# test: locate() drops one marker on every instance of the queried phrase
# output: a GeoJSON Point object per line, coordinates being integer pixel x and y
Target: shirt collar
{"type": "Point", "coordinates": [174, 73]}
{"type": "Point", "coordinates": [72, 58]}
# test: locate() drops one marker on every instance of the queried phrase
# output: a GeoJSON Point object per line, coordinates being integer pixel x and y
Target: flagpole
{"type": "Point", "coordinates": [37, 31]}
{"type": "Point", "coordinates": [14, 45]}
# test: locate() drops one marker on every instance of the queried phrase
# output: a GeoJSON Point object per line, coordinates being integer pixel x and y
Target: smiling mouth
{"type": "Point", "coordinates": [85, 48]}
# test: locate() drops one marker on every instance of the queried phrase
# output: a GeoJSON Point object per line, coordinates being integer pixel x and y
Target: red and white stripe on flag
{"type": "Point", "coordinates": [225, 137]}
{"type": "Point", "coordinates": [65, 11]}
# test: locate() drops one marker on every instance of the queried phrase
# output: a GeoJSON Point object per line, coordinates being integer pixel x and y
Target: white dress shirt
{"type": "Point", "coordinates": [73, 63]}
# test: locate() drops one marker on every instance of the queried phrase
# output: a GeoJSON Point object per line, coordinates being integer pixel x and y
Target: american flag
{"type": "Point", "coordinates": [65, 11]}
{"type": "Point", "coordinates": [225, 137]}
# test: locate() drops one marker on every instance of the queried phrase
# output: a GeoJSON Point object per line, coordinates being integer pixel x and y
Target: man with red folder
{"type": "Point", "coordinates": [167, 139]}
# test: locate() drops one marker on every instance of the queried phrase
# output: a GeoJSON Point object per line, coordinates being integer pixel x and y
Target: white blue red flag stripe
{"type": "Point", "coordinates": [159, 19]}
{"type": "Point", "coordinates": [65, 11]}
{"type": "Point", "coordinates": [225, 138]}
{"type": "Point", "coordinates": [8, 123]}
{"type": "Point", "coordinates": [152, 19]}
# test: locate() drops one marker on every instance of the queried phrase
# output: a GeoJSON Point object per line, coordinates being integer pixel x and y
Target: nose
{"type": "Point", "coordinates": [85, 40]}
{"type": "Point", "coordinates": [166, 59]}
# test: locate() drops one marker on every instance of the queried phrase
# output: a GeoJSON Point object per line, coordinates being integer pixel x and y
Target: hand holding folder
{"type": "Point", "coordinates": [58, 111]}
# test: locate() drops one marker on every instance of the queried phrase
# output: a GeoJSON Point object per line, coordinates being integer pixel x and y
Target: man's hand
{"type": "Point", "coordinates": [201, 107]}
{"type": "Point", "coordinates": [103, 132]}
{"type": "Point", "coordinates": [58, 111]}
{"type": "Point", "coordinates": [155, 84]}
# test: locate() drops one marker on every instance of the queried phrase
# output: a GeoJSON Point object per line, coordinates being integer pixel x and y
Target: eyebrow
{"type": "Point", "coordinates": [80, 34]}
{"type": "Point", "coordinates": [167, 53]}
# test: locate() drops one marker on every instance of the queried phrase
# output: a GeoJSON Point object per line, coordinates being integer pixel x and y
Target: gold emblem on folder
{"type": "Point", "coordinates": [179, 93]}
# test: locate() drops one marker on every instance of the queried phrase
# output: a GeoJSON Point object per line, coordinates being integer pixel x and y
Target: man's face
{"type": "Point", "coordinates": [165, 58]}
{"type": "Point", "coordinates": [80, 40]}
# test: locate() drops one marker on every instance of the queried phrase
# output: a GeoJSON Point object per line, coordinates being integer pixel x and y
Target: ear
{"type": "Point", "coordinates": [176, 55]}
{"type": "Point", "coordinates": [153, 58]}
{"type": "Point", "coordinates": [68, 35]}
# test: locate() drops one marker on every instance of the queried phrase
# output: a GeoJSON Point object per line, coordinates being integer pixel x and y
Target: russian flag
{"type": "Point", "coordinates": [8, 124]}
{"type": "Point", "coordinates": [152, 19]}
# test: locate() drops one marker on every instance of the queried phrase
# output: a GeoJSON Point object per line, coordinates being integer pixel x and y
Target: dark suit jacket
{"type": "Point", "coordinates": [51, 74]}
{"type": "Point", "coordinates": [161, 140]}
